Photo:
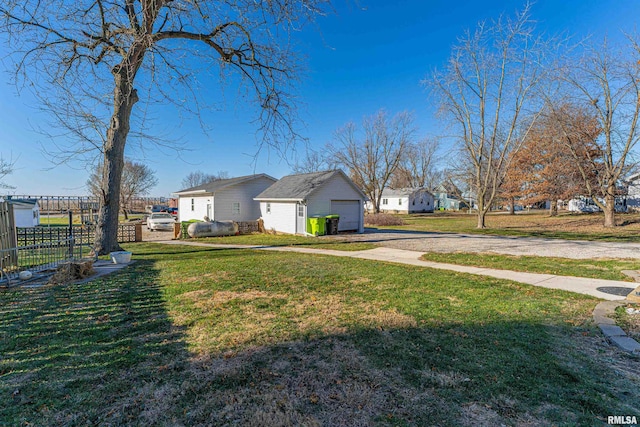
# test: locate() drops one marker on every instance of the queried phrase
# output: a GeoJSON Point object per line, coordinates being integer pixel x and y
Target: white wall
{"type": "Point", "coordinates": [242, 193]}
{"type": "Point", "coordinates": [200, 207]}
{"type": "Point", "coordinates": [26, 216]}
{"type": "Point", "coordinates": [282, 217]}
{"type": "Point", "coordinates": [336, 188]}
{"type": "Point", "coordinates": [423, 202]}
{"type": "Point", "coordinates": [394, 203]}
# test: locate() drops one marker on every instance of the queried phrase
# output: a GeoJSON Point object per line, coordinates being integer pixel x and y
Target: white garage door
{"type": "Point", "coordinates": [349, 211]}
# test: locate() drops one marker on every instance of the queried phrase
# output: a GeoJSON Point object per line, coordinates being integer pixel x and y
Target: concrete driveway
{"type": "Point", "coordinates": [451, 242]}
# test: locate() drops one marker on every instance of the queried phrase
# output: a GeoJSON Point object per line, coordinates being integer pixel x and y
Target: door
{"type": "Point", "coordinates": [210, 211]}
{"type": "Point", "coordinates": [350, 216]}
{"type": "Point", "coordinates": [300, 219]}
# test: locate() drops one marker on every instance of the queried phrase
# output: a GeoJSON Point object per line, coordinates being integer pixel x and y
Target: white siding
{"type": "Point", "coordinates": [241, 193]}
{"type": "Point", "coordinates": [199, 204]}
{"type": "Point", "coordinates": [394, 203]}
{"type": "Point", "coordinates": [26, 216]}
{"type": "Point", "coordinates": [421, 201]}
{"type": "Point", "coordinates": [282, 217]}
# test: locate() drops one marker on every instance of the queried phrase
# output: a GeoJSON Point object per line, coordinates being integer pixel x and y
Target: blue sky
{"type": "Point", "coordinates": [370, 54]}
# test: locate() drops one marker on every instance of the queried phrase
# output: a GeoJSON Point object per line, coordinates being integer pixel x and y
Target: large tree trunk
{"type": "Point", "coordinates": [513, 206]}
{"type": "Point", "coordinates": [553, 208]}
{"type": "Point", "coordinates": [481, 218]}
{"type": "Point", "coordinates": [610, 209]}
{"type": "Point", "coordinates": [125, 96]}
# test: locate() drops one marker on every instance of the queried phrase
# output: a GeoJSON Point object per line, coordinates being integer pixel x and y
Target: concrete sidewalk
{"type": "Point", "coordinates": [611, 290]}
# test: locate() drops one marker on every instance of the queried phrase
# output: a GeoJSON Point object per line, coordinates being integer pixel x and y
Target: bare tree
{"type": "Point", "coordinates": [197, 178]}
{"type": "Point", "coordinates": [605, 82]}
{"type": "Point", "coordinates": [484, 94]}
{"type": "Point", "coordinates": [137, 180]}
{"type": "Point", "coordinates": [313, 161]}
{"type": "Point", "coordinates": [418, 166]}
{"type": "Point", "coordinates": [92, 61]}
{"type": "Point", "coordinates": [6, 168]}
{"type": "Point", "coordinates": [372, 157]}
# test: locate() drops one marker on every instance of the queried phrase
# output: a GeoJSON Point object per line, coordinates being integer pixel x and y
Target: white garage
{"type": "Point", "coordinates": [289, 203]}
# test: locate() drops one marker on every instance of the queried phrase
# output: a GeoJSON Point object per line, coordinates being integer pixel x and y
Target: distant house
{"type": "Point", "coordinates": [447, 198]}
{"type": "Point", "coordinates": [405, 200]}
{"type": "Point", "coordinates": [26, 212]}
{"type": "Point", "coordinates": [633, 191]}
{"type": "Point", "coordinates": [226, 199]}
{"type": "Point", "coordinates": [286, 205]}
{"type": "Point", "coordinates": [586, 204]}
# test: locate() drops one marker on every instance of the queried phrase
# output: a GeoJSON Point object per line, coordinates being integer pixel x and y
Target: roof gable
{"type": "Point", "coordinates": [301, 186]}
{"type": "Point", "coordinates": [25, 203]}
{"type": "Point", "coordinates": [212, 187]}
{"type": "Point", "coordinates": [403, 192]}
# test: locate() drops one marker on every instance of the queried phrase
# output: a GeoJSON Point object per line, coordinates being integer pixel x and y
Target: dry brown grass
{"type": "Point", "coordinates": [72, 271]}
{"type": "Point", "coordinates": [383, 219]}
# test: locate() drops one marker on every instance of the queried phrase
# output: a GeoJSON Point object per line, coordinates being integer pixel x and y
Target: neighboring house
{"type": "Point", "coordinates": [405, 200]}
{"type": "Point", "coordinates": [586, 204]}
{"type": "Point", "coordinates": [26, 212]}
{"type": "Point", "coordinates": [226, 199]}
{"type": "Point", "coordinates": [633, 191]}
{"type": "Point", "coordinates": [286, 205]}
{"type": "Point", "coordinates": [447, 199]}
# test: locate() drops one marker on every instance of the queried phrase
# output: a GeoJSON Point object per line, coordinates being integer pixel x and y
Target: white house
{"type": "Point", "coordinates": [26, 212]}
{"type": "Point", "coordinates": [286, 205]}
{"type": "Point", "coordinates": [633, 191]}
{"type": "Point", "coordinates": [226, 199]}
{"type": "Point", "coordinates": [405, 200]}
{"type": "Point", "coordinates": [586, 204]}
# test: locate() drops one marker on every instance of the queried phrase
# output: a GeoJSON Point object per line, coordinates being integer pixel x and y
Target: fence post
{"type": "Point", "coordinates": [70, 234]}
{"type": "Point", "coordinates": [138, 232]}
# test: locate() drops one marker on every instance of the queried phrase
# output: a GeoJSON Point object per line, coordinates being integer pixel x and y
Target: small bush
{"type": "Point", "coordinates": [382, 219]}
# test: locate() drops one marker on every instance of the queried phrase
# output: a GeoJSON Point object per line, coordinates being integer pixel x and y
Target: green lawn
{"type": "Point", "coordinates": [64, 220]}
{"type": "Point", "coordinates": [202, 336]}
{"type": "Point", "coordinates": [289, 240]}
{"type": "Point", "coordinates": [533, 224]}
{"type": "Point", "coordinates": [608, 269]}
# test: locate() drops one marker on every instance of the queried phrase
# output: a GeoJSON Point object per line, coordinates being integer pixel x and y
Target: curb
{"type": "Point", "coordinates": [614, 334]}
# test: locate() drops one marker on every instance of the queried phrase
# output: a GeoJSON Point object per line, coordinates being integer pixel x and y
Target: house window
{"type": "Point", "coordinates": [193, 205]}
{"type": "Point", "coordinates": [301, 211]}
{"type": "Point", "coordinates": [268, 208]}
{"type": "Point", "coordinates": [399, 202]}
{"type": "Point", "coordinates": [385, 201]}
{"type": "Point", "coordinates": [235, 208]}
{"type": "Point", "coordinates": [414, 202]}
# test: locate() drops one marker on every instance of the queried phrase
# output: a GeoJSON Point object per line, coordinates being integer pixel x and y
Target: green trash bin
{"type": "Point", "coordinates": [332, 224]}
{"type": "Point", "coordinates": [316, 225]}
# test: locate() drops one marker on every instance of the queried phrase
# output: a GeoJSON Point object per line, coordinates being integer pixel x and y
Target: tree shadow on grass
{"type": "Point", "coordinates": [78, 354]}
{"type": "Point", "coordinates": [107, 353]}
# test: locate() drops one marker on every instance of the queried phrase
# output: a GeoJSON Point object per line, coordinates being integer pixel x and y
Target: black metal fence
{"type": "Point", "coordinates": [82, 234]}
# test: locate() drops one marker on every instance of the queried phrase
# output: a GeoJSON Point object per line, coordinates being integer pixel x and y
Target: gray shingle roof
{"type": "Point", "coordinates": [401, 192]}
{"type": "Point", "coordinates": [298, 187]}
{"type": "Point", "coordinates": [214, 186]}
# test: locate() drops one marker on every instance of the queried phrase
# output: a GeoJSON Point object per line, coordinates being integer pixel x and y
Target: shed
{"type": "Point", "coordinates": [286, 205]}
{"type": "Point", "coordinates": [26, 212]}
{"type": "Point", "coordinates": [225, 199]}
{"type": "Point", "coordinates": [406, 200]}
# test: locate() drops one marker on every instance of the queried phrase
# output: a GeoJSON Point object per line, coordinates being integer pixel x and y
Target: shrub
{"type": "Point", "coordinates": [383, 219]}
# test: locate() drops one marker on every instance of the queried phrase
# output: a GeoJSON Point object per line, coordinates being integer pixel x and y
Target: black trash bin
{"type": "Point", "coordinates": [332, 224]}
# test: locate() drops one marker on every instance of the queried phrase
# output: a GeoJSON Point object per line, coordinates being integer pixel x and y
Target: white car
{"type": "Point", "coordinates": [160, 221]}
